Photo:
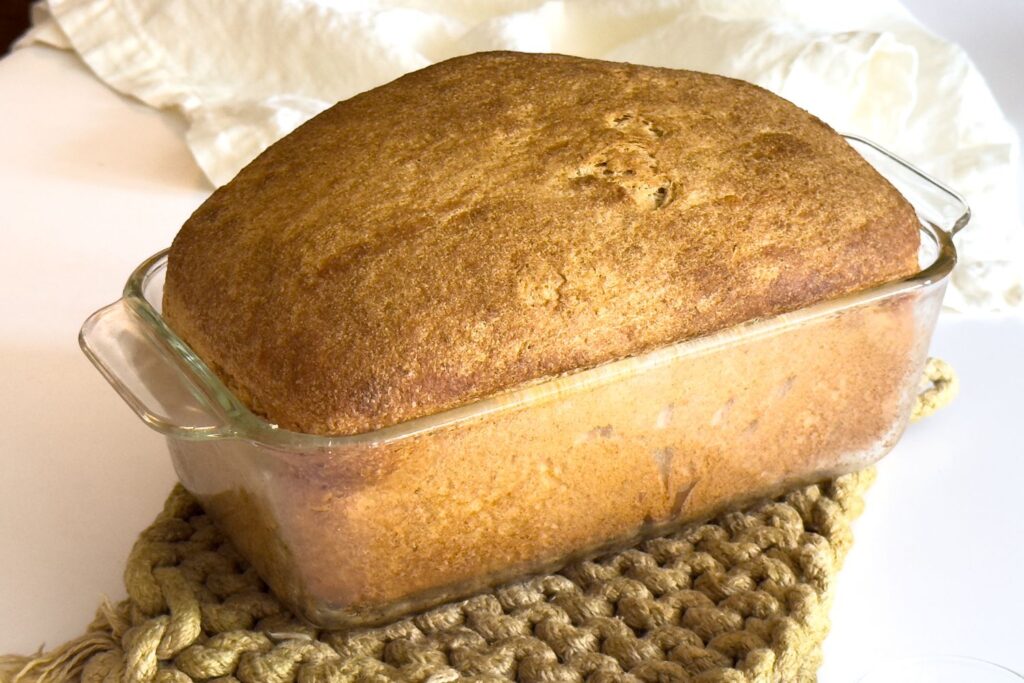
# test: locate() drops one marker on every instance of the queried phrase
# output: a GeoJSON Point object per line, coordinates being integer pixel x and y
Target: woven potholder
{"type": "Point", "coordinates": [743, 598]}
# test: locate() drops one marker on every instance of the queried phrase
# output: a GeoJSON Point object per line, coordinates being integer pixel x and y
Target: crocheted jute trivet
{"type": "Point", "coordinates": [743, 598]}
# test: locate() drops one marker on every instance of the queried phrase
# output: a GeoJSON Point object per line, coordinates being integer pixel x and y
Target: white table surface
{"type": "Point", "coordinates": [91, 183]}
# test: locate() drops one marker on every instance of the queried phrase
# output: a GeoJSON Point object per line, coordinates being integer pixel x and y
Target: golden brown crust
{"type": "Point", "coordinates": [502, 217]}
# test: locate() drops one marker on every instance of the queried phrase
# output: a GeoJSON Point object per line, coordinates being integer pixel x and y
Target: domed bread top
{"type": "Point", "coordinates": [502, 217]}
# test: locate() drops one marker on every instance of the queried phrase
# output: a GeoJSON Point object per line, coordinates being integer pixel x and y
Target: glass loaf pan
{"type": "Point", "coordinates": [358, 530]}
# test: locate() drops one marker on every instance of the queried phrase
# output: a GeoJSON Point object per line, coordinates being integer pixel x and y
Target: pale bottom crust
{"type": "Point", "coordinates": [362, 535]}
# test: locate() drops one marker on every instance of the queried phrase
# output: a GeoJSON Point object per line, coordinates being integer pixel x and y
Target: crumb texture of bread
{"type": "Point", "coordinates": [502, 217]}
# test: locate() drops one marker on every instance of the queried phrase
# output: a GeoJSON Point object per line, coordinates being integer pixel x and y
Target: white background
{"type": "Point", "coordinates": [93, 183]}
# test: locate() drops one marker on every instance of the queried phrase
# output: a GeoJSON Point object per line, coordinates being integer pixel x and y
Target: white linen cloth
{"type": "Point", "coordinates": [243, 74]}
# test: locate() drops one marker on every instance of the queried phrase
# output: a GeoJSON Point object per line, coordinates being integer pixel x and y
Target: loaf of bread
{"type": "Point", "coordinates": [500, 218]}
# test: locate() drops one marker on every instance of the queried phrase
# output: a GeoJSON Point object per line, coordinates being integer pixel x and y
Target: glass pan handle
{"type": "Point", "coordinates": [144, 373]}
{"type": "Point", "coordinates": [935, 203]}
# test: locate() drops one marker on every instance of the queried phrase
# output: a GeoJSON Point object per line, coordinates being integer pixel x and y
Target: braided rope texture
{"type": "Point", "coordinates": [743, 598]}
